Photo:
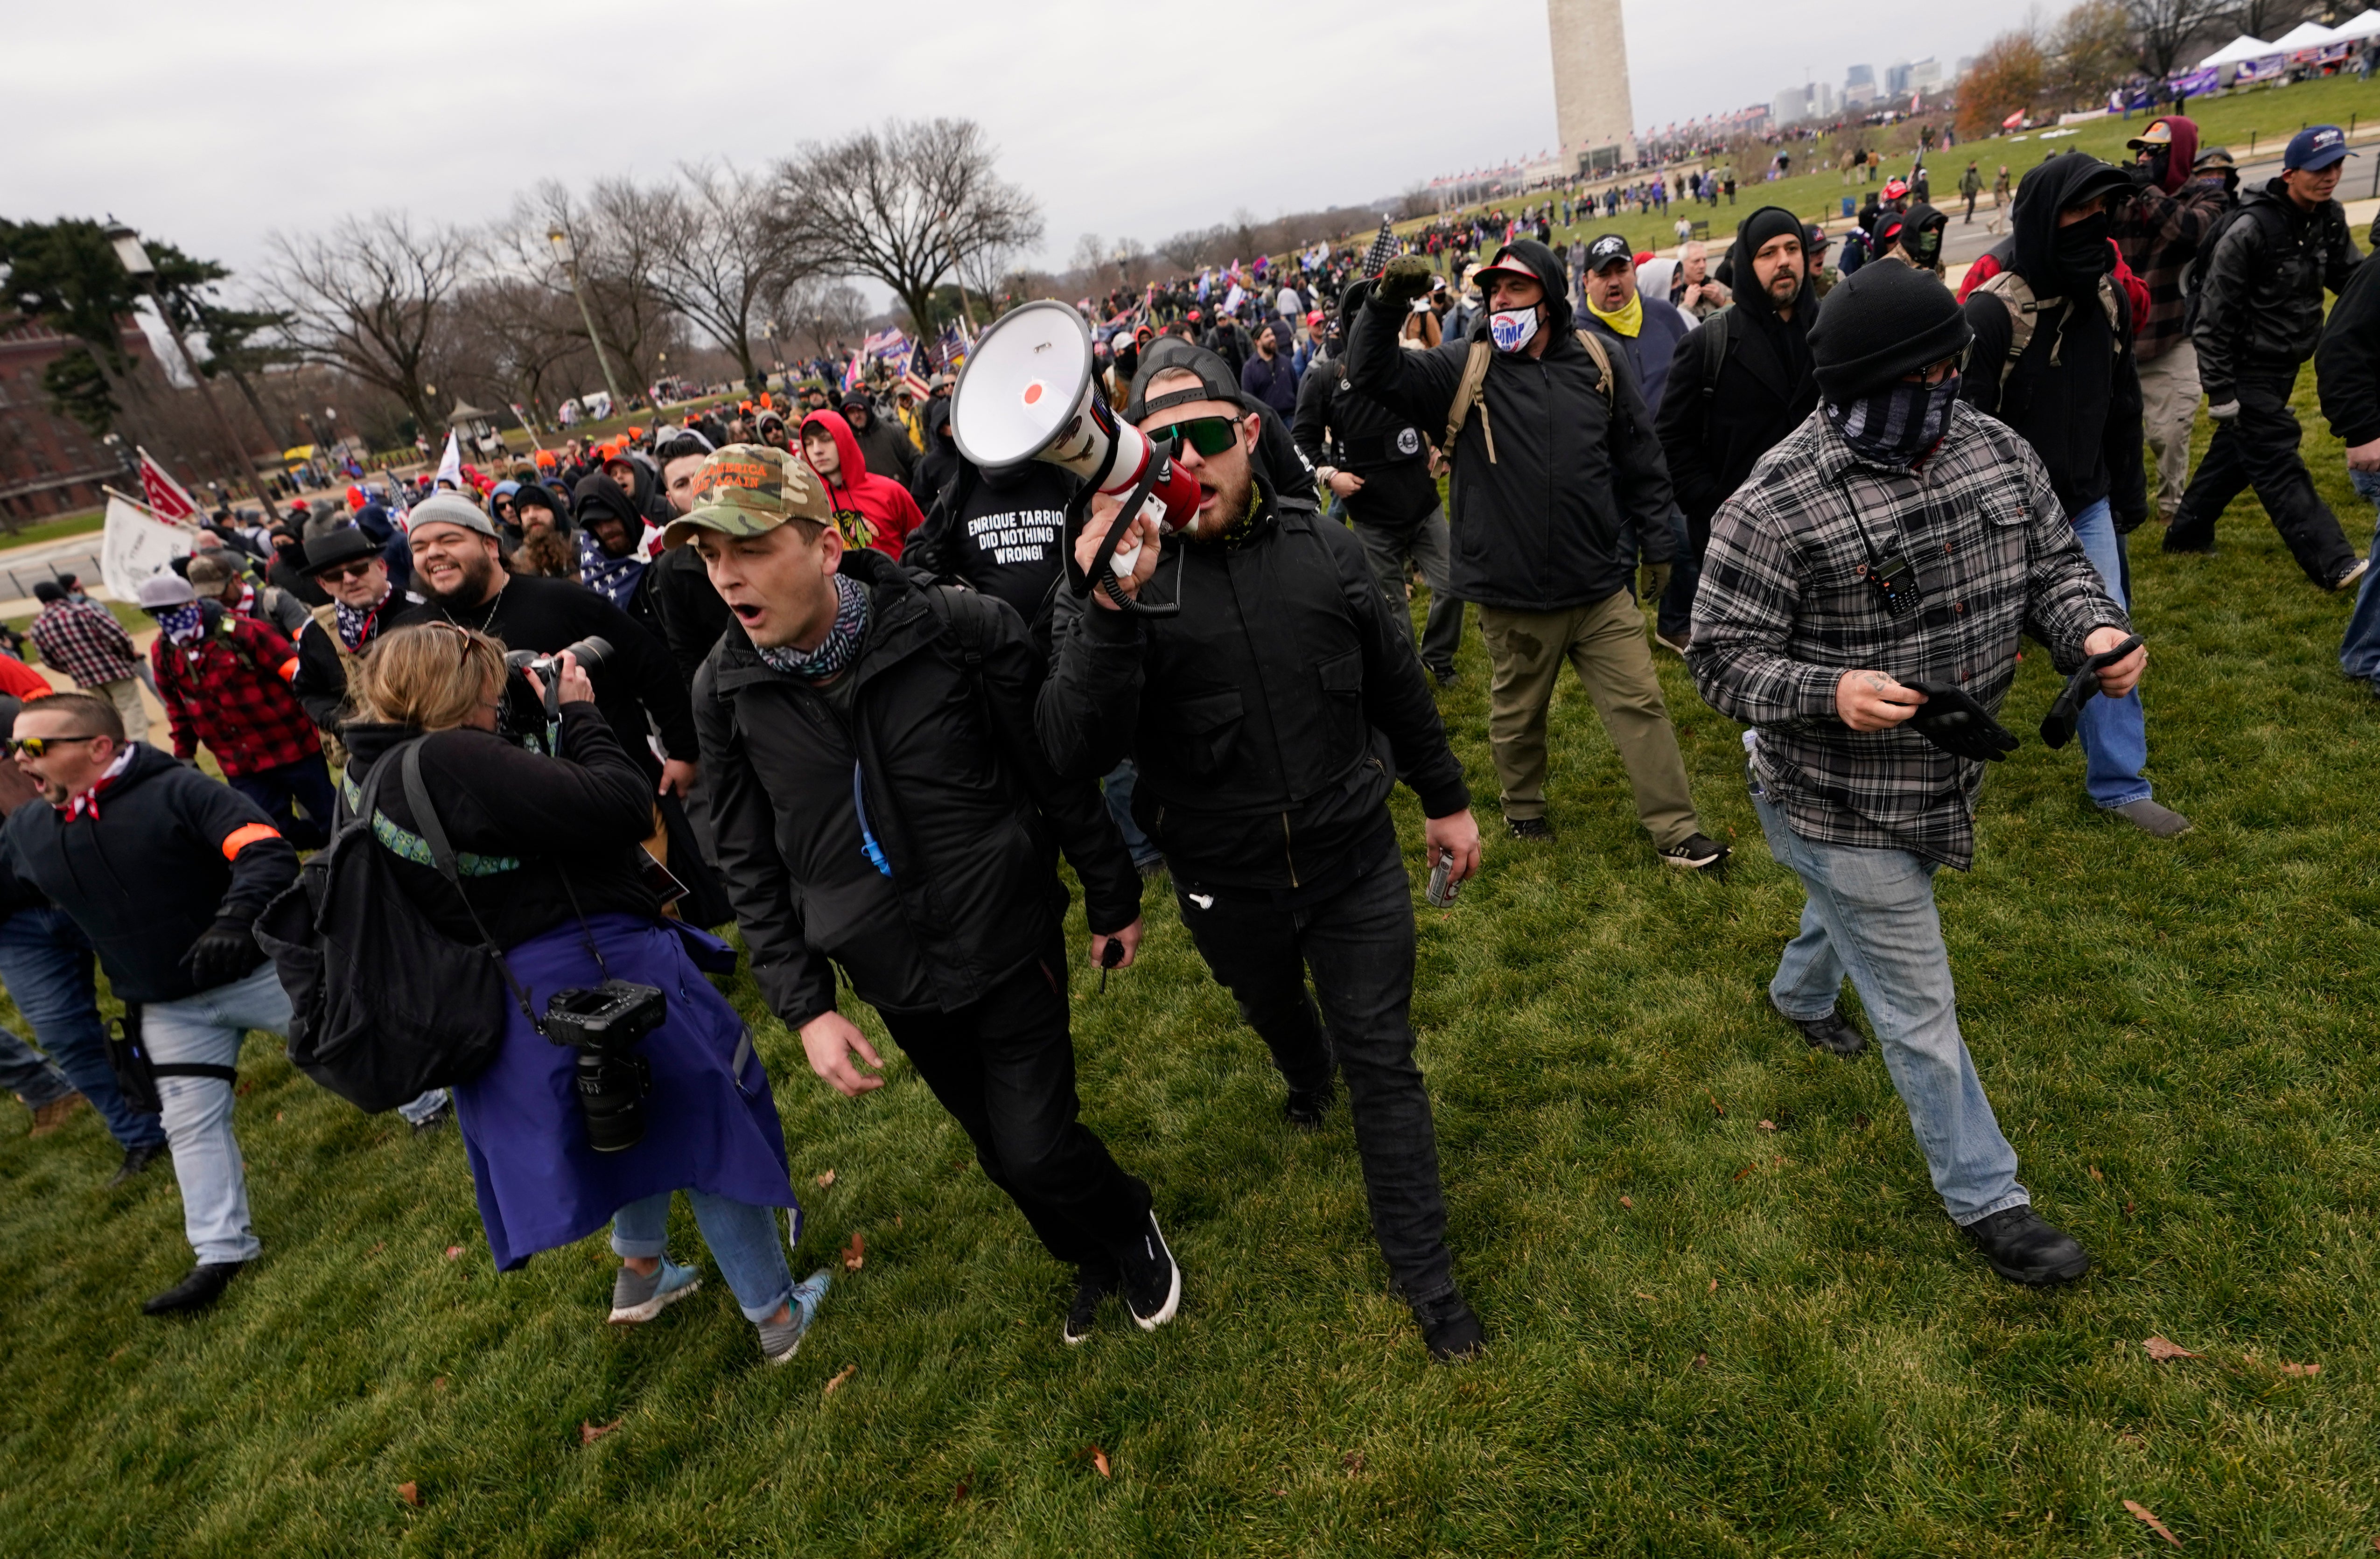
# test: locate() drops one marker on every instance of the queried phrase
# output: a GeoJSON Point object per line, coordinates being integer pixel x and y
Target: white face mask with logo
{"type": "Point", "coordinates": [1513, 329]}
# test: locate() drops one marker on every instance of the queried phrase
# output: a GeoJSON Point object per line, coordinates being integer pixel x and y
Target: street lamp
{"type": "Point", "coordinates": [568, 256]}
{"type": "Point", "coordinates": [134, 258]}
{"type": "Point", "coordinates": [776, 358]}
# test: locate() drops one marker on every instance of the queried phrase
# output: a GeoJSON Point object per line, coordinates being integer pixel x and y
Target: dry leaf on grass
{"type": "Point", "coordinates": [1629, 1202]}
{"type": "Point", "coordinates": [1716, 1106]}
{"type": "Point", "coordinates": [826, 1179]}
{"type": "Point", "coordinates": [856, 1256]}
{"type": "Point", "coordinates": [2161, 1349]}
{"type": "Point", "coordinates": [840, 1376]}
{"type": "Point", "coordinates": [1099, 1460]}
{"type": "Point", "coordinates": [1702, 1361]}
{"type": "Point", "coordinates": [410, 1493]}
{"type": "Point", "coordinates": [2095, 1173]}
{"type": "Point", "coordinates": [1859, 1118]}
{"type": "Point", "coordinates": [1714, 1288]}
{"type": "Point", "coordinates": [2289, 1369]}
{"type": "Point", "coordinates": [1745, 1170]}
{"type": "Point", "coordinates": [590, 1433]}
{"type": "Point", "coordinates": [1353, 1461]}
{"type": "Point", "coordinates": [960, 1491]}
{"type": "Point", "coordinates": [439, 1384]}
{"type": "Point", "coordinates": [1642, 1295]}
{"type": "Point", "coordinates": [1767, 1126]}
{"type": "Point", "coordinates": [453, 1251]}
{"type": "Point", "coordinates": [2137, 1508]}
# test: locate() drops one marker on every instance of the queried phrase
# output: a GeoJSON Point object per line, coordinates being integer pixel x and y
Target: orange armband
{"type": "Point", "coordinates": [239, 838]}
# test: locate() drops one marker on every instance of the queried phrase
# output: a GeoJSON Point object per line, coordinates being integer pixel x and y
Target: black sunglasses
{"type": "Point", "coordinates": [1210, 436]}
{"type": "Point", "coordinates": [35, 746]}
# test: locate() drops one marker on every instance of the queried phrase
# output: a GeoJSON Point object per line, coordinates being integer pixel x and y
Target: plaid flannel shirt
{"type": "Point", "coordinates": [1785, 608]}
{"type": "Point", "coordinates": [229, 688]}
{"type": "Point", "coordinates": [83, 639]}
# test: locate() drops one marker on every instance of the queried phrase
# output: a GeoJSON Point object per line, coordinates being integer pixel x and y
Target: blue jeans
{"type": "Point", "coordinates": [207, 1028]}
{"type": "Point", "coordinates": [2115, 734]}
{"type": "Point", "coordinates": [1870, 914]}
{"type": "Point", "coordinates": [743, 1240]}
{"type": "Point", "coordinates": [1118, 786]}
{"type": "Point", "coordinates": [46, 964]}
{"type": "Point", "coordinates": [2359, 653]}
{"type": "Point", "coordinates": [25, 1072]}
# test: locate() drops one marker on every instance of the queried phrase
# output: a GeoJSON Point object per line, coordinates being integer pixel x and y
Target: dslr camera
{"type": "Point", "coordinates": [604, 1025]}
{"type": "Point", "coordinates": [522, 715]}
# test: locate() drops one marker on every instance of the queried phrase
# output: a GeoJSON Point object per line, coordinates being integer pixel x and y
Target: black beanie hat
{"type": "Point", "coordinates": [1880, 322]}
{"type": "Point", "coordinates": [1768, 222]}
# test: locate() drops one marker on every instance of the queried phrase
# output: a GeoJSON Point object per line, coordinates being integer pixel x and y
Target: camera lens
{"type": "Point", "coordinates": [612, 1098]}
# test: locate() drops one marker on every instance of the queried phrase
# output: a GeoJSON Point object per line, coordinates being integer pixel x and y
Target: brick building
{"type": "Point", "coordinates": [48, 464]}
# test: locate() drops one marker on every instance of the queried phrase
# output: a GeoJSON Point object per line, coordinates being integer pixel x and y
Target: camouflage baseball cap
{"type": "Point", "coordinates": [751, 490]}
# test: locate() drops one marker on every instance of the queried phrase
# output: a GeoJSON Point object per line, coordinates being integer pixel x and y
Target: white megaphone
{"type": "Point", "coordinates": [1028, 393]}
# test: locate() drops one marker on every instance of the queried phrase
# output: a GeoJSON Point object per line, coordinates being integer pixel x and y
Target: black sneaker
{"type": "Point", "coordinates": [1152, 1279]}
{"type": "Point", "coordinates": [1696, 854]}
{"type": "Point", "coordinates": [2353, 576]}
{"type": "Point", "coordinates": [1452, 1333]}
{"type": "Point", "coordinates": [1305, 1107]}
{"type": "Point", "coordinates": [2023, 1247]}
{"type": "Point", "coordinates": [202, 1287]}
{"type": "Point", "coordinates": [1091, 1285]}
{"type": "Point", "coordinates": [1535, 830]}
{"type": "Point", "coordinates": [135, 1161]}
{"type": "Point", "coordinates": [1832, 1033]}
{"type": "Point", "coordinates": [1446, 677]}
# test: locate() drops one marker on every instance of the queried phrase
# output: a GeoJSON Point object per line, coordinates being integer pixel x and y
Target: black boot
{"type": "Point", "coordinates": [1832, 1033]}
{"type": "Point", "coordinates": [2023, 1247]}
{"type": "Point", "coordinates": [1092, 1284]}
{"type": "Point", "coordinates": [1152, 1280]}
{"type": "Point", "coordinates": [1305, 1107]}
{"type": "Point", "coordinates": [1451, 1331]}
{"type": "Point", "coordinates": [202, 1287]}
{"type": "Point", "coordinates": [135, 1161]}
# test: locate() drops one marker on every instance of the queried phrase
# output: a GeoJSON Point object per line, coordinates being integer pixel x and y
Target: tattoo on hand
{"type": "Point", "coordinates": [1878, 680]}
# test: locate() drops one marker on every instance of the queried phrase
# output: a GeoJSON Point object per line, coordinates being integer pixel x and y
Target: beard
{"type": "Point", "coordinates": [478, 574]}
{"type": "Point", "coordinates": [1235, 499]}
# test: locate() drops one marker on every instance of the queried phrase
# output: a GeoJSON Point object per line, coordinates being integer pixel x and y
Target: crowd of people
{"type": "Point", "coordinates": [808, 668]}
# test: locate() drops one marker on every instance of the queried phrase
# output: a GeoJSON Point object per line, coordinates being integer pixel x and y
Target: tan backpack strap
{"type": "Point", "coordinates": [1593, 346]}
{"type": "Point", "coordinates": [1466, 395]}
{"type": "Point", "coordinates": [2113, 311]}
{"type": "Point", "coordinates": [2022, 307]}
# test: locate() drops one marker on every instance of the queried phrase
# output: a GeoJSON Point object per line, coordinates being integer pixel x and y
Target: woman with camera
{"type": "Point", "coordinates": [623, 1076]}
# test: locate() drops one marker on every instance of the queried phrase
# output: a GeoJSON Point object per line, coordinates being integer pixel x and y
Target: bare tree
{"type": "Point", "coordinates": [615, 233]}
{"type": "Point", "coordinates": [2091, 51]}
{"type": "Point", "coordinates": [720, 256]}
{"type": "Point", "coordinates": [520, 343]}
{"type": "Point", "coordinates": [373, 299]}
{"type": "Point", "coordinates": [907, 205]}
{"type": "Point", "coordinates": [2268, 19]}
{"type": "Point", "coordinates": [823, 315]}
{"type": "Point", "coordinates": [2165, 28]}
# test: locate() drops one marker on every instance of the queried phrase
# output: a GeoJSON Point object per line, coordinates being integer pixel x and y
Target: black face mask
{"type": "Point", "coordinates": [1926, 247]}
{"type": "Point", "coordinates": [2082, 250]}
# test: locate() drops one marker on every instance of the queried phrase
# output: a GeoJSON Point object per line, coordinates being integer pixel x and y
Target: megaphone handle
{"type": "Point", "coordinates": [1160, 457]}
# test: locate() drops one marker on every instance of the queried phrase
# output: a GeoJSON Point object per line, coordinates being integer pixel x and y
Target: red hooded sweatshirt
{"type": "Point", "coordinates": [859, 495]}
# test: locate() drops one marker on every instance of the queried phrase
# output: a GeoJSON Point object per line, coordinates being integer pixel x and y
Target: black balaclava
{"type": "Point", "coordinates": [2064, 261]}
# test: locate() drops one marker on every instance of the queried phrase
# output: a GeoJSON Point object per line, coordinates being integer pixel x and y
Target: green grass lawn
{"type": "Point", "coordinates": [2265, 117]}
{"type": "Point", "coordinates": [1706, 1336]}
{"type": "Point", "coordinates": [53, 530]}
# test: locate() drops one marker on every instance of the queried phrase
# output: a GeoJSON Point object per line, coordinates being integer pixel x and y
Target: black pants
{"type": "Point", "coordinates": [296, 797]}
{"type": "Point", "coordinates": [1004, 1067]}
{"type": "Point", "coordinates": [1359, 946]}
{"type": "Point", "coordinates": [2259, 448]}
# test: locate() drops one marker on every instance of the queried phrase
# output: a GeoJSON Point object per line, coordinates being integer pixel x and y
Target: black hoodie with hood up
{"type": "Point", "coordinates": [2075, 393]}
{"type": "Point", "coordinates": [1537, 522]}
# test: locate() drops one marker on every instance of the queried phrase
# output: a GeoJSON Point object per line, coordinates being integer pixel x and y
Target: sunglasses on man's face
{"type": "Point", "coordinates": [1210, 436]}
{"type": "Point", "coordinates": [36, 747]}
{"type": "Point", "coordinates": [339, 573]}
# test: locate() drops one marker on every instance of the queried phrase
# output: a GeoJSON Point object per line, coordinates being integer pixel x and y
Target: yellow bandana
{"type": "Point", "coordinates": [1628, 321]}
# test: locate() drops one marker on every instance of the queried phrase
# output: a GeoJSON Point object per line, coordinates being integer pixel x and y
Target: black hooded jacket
{"type": "Point", "coordinates": [2347, 364]}
{"type": "Point", "coordinates": [1537, 522]}
{"type": "Point", "coordinates": [1715, 426]}
{"type": "Point", "coordinates": [1338, 425]}
{"type": "Point", "coordinates": [2075, 393]}
{"type": "Point", "coordinates": [939, 463]}
{"type": "Point", "coordinates": [1268, 719]}
{"type": "Point", "coordinates": [2259, 303]}
{"type": "Point", "coordinates": [937, 730]}
{"type": "Point", "coordinates": [171, 853]}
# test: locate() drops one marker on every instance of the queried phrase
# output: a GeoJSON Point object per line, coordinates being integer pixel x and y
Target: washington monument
{"type": "Point", "coordinates": [1591, 108]}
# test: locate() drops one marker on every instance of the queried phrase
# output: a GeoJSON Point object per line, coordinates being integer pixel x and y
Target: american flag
{"type": "Point", "coordinates": [164, 494]}
{"type": "Point", "coordinates": [1384, 249]}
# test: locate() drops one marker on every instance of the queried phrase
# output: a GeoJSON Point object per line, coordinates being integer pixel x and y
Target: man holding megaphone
{"type": "Point", "coordinates": [1269, 702]}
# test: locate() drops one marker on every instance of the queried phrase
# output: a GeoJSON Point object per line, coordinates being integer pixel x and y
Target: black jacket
{"type": "Point", "coordinates": [2347, 364]}
{"type": "Point", "coordinates": [1714, 428]}
{"type": "Point", "coordinates": [2259, 304]}
{"type": "Point", "coordinates": [1535, 528]}
{"type": "Point", "coordinates": [2082, 412]}
{"type": "Point", "coordinates": [885, 446]}
{"type": "Point", "coordinates": [588, 812]}
{"type": "Point", "coordinates": [1268, 719]}
{"type": "Point", "coordinates": [546, 615]}
{"type": "Point", "coordinates": [969, 814]}
{"type": "Point", "coordinates": [171, 853]}
{"type": "Point", "coordinates": [1338, 426]}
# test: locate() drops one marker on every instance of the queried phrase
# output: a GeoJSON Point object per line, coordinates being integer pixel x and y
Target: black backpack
{"type": "Point", "coordinates": [384, 1006]}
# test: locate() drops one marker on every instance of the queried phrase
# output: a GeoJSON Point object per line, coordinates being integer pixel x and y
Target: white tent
{"type": "Point", "coordinates": [2306, 35]}
{"type": "Point", "coordinates": [2365, 25]}
{"type": "Point", "coordinates": [2243, 50]}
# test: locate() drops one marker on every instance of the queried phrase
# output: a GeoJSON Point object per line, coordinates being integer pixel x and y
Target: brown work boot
{"type": "Point", "coordinates": [55, 1114]}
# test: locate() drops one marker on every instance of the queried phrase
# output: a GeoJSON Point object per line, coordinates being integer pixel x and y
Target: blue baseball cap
{"type": "Point", "coordinates": [2316, 147]}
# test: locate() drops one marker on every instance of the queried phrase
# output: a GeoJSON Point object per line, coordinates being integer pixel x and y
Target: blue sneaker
{"type": "Point", "coordinates": [781, 1341]}
{"type": "Point", "coordinates": [636, 1296]}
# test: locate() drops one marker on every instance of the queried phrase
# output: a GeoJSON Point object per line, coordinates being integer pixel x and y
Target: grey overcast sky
{"type": "Point", "coordinates": [214, 124]}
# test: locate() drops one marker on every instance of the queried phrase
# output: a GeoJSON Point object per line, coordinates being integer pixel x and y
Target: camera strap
{"type": "Point", "coordinates": [442, 856]}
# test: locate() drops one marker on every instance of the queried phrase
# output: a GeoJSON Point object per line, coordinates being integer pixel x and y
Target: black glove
{"type": "Point", "coordinates": [1957, 724]}
{"type": "Point", "coordinates": [2057, 726]}
{"type": "Point", "coordinates": [223, 952]}
{"type": "Point", "coordinates": [1407, 277]}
